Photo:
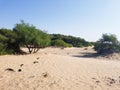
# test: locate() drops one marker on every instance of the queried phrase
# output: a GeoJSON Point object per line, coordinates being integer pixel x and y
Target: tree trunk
{"type": "Point", "coordinates": [33, 49]}
{"type": "Point", "coordinates": [36, 50]}
{"type": "Point", "coordinates": [29, 48]}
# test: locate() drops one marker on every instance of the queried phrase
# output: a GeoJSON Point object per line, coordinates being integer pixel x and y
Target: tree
{"type": "Point", "coordinates": [32, 38]}
{"type": "Point", "coordinates": [74, 41]}
{"type": "Point", "coordinates": [107, 44]}
{"type": "Point", "coordinates": [8, 42]}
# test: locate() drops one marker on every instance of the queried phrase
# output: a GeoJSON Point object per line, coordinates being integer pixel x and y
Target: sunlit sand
{"type": "Point", "coordinates": [59, 69]}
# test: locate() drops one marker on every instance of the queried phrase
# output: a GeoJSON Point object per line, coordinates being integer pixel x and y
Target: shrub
{"type": "Point", "coordinates": [60, 43]}
{"type": "Point", "coordinates": [74, 41]}
{"type": "Point", "coordinates": [8, 42]}
{"type": "Point", "coordinates": [107, 44]}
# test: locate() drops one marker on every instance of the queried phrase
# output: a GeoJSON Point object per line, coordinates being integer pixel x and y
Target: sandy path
{"type": "Point", "coordinates": [55, 71]}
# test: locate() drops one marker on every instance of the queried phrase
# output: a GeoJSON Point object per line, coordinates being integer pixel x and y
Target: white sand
{"type": "Point", "coordinates": [58, 69]}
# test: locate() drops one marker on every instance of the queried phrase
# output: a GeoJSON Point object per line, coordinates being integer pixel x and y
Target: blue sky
{"type": "Point", "coordinates": [87, 19]}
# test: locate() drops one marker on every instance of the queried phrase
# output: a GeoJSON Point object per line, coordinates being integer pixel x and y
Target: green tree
{"type": "Point", "coordinates": [31, 37]}
{"type": "Point", "coordinates": [8, 42]}
{"type": "Point", "coordinates": [107, 44]}
{"type": "Point", "coordinates": [74, 41]}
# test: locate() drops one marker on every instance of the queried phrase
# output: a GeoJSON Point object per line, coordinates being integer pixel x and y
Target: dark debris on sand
{"type": "Point", "coordinates": [10, 69]}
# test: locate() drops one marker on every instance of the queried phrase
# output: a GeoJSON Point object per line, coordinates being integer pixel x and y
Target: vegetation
{"type": "Point", "coordinates": [8, 42]}
{"type": "Point", "coordinates": [26, 35]}
{"type": "Point", "coordinates": [107, 44]}
{"type": "Point", "coordinates": [32, 38]}
{"type": "Point", "coordinates": [23, 34]}
{"type": "Point", "coordinates": [60, 43]}
{"type": "Point", "coordinates": [72, 41]}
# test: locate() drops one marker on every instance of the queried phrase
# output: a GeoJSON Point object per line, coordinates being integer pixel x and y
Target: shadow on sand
{"type": "Point", "coordinates": [87, 55]}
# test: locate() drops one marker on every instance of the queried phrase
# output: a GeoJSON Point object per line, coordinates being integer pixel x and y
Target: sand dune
{"type": "Point", "coordinates": [58, 69]}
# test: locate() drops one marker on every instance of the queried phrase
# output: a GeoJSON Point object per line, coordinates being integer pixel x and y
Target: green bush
{"type": "Point", "coordinates": [74, 41]}
{"type": "Point", "coordinates": [60, 43]}
{"type": "Point", "coordinates": [8, 42]}
{"type": "Point", "coordinates": [107, 44]}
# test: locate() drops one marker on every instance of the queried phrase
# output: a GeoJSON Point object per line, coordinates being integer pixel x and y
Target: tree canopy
{"type": "Point", "coordinates": [26, 35]}
{"type": "Point", "coordinates": [8, 42]}
{"type": "Point", "coordinates": [107, 44]}
{"type": "Point", "coordinates": [74, 41]}
{"type": "Point", "coordinates": [31, 37]}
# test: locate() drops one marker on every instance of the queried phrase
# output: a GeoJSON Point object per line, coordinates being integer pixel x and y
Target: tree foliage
{"type": "Point", "coordinates": [107, 44]}
{"type": "Point", "coordinates": [8, 42]}
{"type": "Point", "coordinates": [31, 37]}
{"type": "Point", "coordinates": [74, 41]}
{"type": "Point", "coordinates": [24, 34]}
{"type": "Point", "coordinates": [60, 43]}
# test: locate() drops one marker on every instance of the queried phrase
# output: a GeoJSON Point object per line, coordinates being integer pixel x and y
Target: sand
{"type": "Point", "coordinates": [59, 69]}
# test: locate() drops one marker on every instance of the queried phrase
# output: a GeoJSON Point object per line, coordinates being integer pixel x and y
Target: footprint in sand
{"type": "Point", "coordinates": [37, 58]}
{"type": "Point", "coordinates": [45, 74]}
{"type": "Point", "coordinates": [110, 81]}
{"type": "Point", "coordinates": [21, 65]}
{"type": "Point", "coordinates": [96, 81]}
{"type": "Point", "coordinates": [35, 62]}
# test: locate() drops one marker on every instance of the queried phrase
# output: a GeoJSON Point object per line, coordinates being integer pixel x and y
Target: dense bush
{"type": "Point", "coordinates": [60, 43]}
{"type": "Point", "coordinates": [74, 41]}
{"type": "Point", "coordinates": [107, 44]}
{"type": "Point", "coordinates": [8, 42]}
{"type": "Point", "coordinates": [3, 43]}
